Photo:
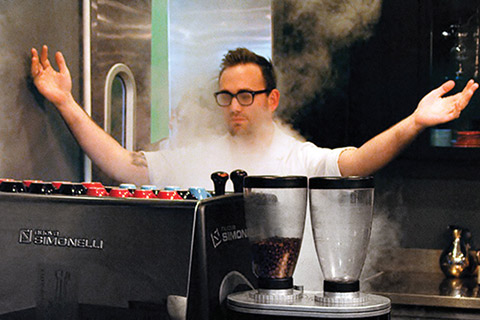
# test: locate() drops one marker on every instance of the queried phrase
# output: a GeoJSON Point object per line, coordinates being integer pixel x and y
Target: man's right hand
{"type": "Point", "coordinates": [53, 85]}
{"type": "Point", "coordinates": [120, 164]}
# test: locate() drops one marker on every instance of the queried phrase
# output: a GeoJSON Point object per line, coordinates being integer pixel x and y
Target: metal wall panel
{"type": "Point", "coordinates": [121, 33]}
{"type": "Point", "coordinates": [34, 141]}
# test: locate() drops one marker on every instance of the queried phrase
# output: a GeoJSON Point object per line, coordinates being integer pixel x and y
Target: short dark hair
{"type": "Point", "coordinates": [244, 56]}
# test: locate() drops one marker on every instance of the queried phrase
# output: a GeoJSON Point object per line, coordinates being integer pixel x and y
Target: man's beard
{"type": "Point", "coordinates": [239, 130]}
{"type": "Point", "coordinates": [243, 128]}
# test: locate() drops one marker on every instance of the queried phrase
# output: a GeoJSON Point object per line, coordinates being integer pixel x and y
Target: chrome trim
{"type": "Point", "coordinates": [87, 84]}
{"type": "Point", "coordinates": [124, 72]}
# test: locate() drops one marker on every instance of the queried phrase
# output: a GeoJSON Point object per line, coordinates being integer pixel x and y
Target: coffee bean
{"type": "Point", "coordinates": [275, 257]}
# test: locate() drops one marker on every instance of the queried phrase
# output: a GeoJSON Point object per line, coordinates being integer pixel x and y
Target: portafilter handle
{"type": "Point", "coordinates": [219, 179]}
{"type": "Point", "coordinates": [237, 178]}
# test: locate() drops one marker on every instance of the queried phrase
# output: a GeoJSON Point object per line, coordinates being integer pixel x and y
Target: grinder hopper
{"type": "Point", "coordinates": [275, 209]}
{"type": "Point", "coordinates": [342, 211]}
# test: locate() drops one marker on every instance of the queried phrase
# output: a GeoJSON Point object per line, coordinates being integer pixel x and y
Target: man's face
{"type": "Point", "coordinates": [245, 120]}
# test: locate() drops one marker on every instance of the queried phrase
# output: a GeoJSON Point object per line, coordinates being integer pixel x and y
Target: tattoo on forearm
{"type": "Point", "coordinates": [138, 159]}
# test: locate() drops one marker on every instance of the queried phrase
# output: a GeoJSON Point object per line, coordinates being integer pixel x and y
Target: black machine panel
{"type": "Point", "coordinates": [66, 257]}
{"type": "Point", "coordinates": [221, 262]}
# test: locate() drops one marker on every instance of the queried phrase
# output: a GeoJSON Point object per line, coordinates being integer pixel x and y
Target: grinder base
{"type": "Point", "coordinates": [283, 296]}
{"type": "Point", "coordinates": [373, 307]}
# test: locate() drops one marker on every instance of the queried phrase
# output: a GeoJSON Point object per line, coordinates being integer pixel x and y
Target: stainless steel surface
{"type": "Point", "coordinates": [413, 277]}
{"type": "Point", "coordinates": [34, 141]}
{"type": "Point", "coordinates": [426, 289]}
{"type": "Point", "coordinates": [374, 305]}
{"type": "Point", "coordinates": [121, 33]}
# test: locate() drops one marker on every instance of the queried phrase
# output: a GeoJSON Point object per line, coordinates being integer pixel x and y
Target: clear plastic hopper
{"type": "Point", "coordinates": [275, 209]}
{"type": "Point", "coordinates": [342, 211]}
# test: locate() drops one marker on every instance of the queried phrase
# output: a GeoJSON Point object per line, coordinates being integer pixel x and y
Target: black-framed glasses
{"type": "Point", "coordinates": [244, 97]}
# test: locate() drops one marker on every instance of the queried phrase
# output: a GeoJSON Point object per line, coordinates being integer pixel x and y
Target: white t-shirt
{"type": "Point", "coordinates": [192, 167]}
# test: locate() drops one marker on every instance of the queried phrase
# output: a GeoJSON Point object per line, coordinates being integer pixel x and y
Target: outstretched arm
{"type": "Point", "coordinates": [432, 110]}
{"type": "Point", "coordinates": [105, 152]}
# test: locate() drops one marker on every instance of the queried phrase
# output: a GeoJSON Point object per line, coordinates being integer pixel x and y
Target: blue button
{"type": "Point", "coordinates": [128, 186]}
{"type": "Point", "coordinates": [199, 193]}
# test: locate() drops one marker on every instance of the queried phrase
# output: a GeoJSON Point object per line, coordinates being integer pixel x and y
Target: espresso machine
{"type": "Point", "coordinates": [341, 212]}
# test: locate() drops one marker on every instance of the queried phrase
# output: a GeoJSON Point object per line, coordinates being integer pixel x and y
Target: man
{"type": "Point", "coordinates": [248, 98]}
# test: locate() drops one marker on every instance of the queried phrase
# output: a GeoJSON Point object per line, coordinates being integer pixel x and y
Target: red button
{"type": "Point", "coordinates": [120, 193]}
{"type": "Point", "coordinates": [169, 195]}
{"type": "Point", "coordinates": [92, 184]}
{"type": "Point", "coordinates": [145, 194]}
{"type": "Point", "coordinates": [57, 184]}
{"type": "Point", "coordinates": [27, 183]}
{"type": "Point", "coordinates": [97, 192]}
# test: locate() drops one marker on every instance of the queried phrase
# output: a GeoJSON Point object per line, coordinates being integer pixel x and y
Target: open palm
{"type": "Point", "coordinates": [55, 86]}
{"type": "Point", "coordinates": [435, 109]}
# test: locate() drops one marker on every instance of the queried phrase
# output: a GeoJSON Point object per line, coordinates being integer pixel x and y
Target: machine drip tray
{"type": "Point", "coordinates": [371, 306]}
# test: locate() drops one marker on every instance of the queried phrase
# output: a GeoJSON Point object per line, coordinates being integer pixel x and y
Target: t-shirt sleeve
{"type": "Point", "coordinates": [321, 161]}
{"type": "Point", "coordinates": [331, 166]}
{"type": "Point", "coordinates": [155, 162]}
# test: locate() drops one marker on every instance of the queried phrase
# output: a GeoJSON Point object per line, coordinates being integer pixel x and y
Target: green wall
{"type": "Point", "coordinates": [159, 88]}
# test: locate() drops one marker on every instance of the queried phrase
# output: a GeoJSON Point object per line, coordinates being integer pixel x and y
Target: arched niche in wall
{"type": "Point", "coordinates": [120, 101]}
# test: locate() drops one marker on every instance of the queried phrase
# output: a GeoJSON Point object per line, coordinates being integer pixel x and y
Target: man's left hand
{"type": "Point", "coordinates": [435, 109]}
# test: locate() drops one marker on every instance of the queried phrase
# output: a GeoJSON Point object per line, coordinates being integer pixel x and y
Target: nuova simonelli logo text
{"type": "Point", "coordinates": [225, 234]}
{"type": "Point", "coordinates": [53, 238]}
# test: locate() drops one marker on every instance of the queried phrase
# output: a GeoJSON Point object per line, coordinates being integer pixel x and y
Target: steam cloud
{"type": "Point", "coordinates": [307, 34]}
{"type": "Point", "coordinates": [311, 32]}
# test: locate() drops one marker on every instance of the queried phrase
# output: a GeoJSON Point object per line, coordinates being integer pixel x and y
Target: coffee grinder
{"type": "Point", "coordinates": [341, 212]}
